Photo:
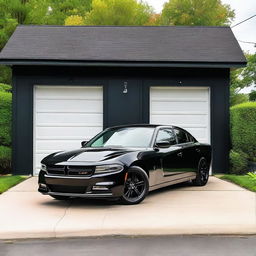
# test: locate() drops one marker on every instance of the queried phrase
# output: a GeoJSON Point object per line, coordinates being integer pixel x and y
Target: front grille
{"type": "Point", "coordinates": [80, 170]}
{"type": "Point", "coordinates": [67, 189]}
{"type": "Point", "coordinates": [56, 169]}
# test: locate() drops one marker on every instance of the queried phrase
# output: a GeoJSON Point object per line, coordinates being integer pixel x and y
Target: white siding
{"type": "Point", "coordinates": [63, 117]}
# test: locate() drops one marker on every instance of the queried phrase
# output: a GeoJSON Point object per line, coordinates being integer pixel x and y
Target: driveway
{"type": "Point", "coordinates": [218, 208]}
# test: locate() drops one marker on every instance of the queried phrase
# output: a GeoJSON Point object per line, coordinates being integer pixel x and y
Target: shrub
{"type": "Point", "coordinates": [5, 87]}
{"type": "Point", "coordinates": [5, 118]}
{"type": "Point", "coordinates": [5, 159]}
{"type": "Point", "coordinates": [243, 132]}
{"type": "Point", "coordinates": [238, 162]}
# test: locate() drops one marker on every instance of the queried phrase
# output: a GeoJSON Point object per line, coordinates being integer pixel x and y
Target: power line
{"type": "Point", "coordinates": [243, 21]}
{"type": "Point", "coordinates": [246, 42]}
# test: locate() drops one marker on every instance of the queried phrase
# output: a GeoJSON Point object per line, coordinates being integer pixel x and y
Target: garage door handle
{"type": "Point", "coordinates": [179, 154]}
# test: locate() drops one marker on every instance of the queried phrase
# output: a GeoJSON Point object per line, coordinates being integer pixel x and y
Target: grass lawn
{"type": "Point", "coordinates": [242, 180]}
{"type": "Point", "coordinates": [7, 182]}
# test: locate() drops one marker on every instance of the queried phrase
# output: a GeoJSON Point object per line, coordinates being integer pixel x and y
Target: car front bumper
{"type": "Point", "coordinates": [107, 185]}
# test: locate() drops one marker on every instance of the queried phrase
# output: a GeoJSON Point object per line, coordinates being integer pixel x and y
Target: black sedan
{"type": "Point", "coordinates": [126, 162]}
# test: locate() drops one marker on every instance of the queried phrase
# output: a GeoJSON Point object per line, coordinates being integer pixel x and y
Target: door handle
{"type": "Point", "coordinates": [180, 154]}
{"type": "Point", "coordinates": [197, 150]}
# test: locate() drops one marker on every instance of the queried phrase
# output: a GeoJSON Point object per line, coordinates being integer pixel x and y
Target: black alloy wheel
{"type": "Point", "coordinates": [202, 173]}
{"type": "Point", "coordinates": [136, 186]}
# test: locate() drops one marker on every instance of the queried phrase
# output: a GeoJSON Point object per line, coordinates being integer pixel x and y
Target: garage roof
{"type": "Point", "coordinates": [131, 46]}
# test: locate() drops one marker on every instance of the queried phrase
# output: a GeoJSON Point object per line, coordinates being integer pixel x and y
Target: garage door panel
{"type": "Point", "coordinates": [179, 119]}
{"type": "Point", "coordinates": [94, 119]}
{"type": "Point", "coordinates": [171, 106]}
{"type": "Point", "coordinates": [179, 93]}
{"type": "Point", "coordinates": [184, 107]}
{"type": "Point", "coordinates": [58, 144]}
{"type": "Point", "coordinates": [80, 106]}
{"type": "Point", "coordinates": [67, 131]}
{"type": "Point", "coordinates": [53, 92]}
{"type": "Point", "coordinates": [65, 116]}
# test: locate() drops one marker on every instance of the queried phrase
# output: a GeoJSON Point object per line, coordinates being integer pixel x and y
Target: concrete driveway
{"type": "Point", "coordinates": [218, 208]}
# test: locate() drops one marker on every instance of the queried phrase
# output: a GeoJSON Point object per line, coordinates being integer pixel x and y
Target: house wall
{"type": "Point", "coordinates": [139, 80]}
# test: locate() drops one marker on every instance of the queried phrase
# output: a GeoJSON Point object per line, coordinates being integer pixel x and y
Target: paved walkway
{"type": "Point", "coordinates": [218, 208]}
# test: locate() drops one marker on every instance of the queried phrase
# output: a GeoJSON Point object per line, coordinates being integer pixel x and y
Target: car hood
{"type": "Point", "coordinates": [86, 155]}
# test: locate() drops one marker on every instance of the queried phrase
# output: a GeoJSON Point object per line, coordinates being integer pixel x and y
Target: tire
{"type": "Point", "coordinates": [202, 173]}
{"type": "Point", "coordinates": [60, 197]}
{"type": "Point", "coordinates": [136, 186]}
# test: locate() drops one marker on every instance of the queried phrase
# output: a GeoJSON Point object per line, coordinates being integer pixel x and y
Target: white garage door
{"type": "Point", "coordinates": [63, 117]}
{"type": "Point", "coordinates": [185, 107]}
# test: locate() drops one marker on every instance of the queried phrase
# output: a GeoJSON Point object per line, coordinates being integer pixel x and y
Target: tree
{"type": "Point", "coordinates": [74, 20]}
{"type": "Point", "coordinates": [252, 95]}
{"type": "Point", "coordinates": [241, 78]}
{"type": "Point", "coordinates": [196, 13]}
{"type": "Point", "coordinates": [52, 12]}
{"type": "Point", "coordinates": [118, 13]}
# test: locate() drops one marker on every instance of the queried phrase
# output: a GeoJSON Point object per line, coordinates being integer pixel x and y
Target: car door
{"type": "Point", "coordinates": [171, 156]}
{"type": "Point", "coordinates": [189, 153]}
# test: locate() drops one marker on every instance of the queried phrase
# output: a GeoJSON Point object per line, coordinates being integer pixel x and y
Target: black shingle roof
{"type": "Point", "coordinates": [166, 45]}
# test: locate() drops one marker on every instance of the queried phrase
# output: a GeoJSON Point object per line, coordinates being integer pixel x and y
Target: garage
{"type": "Point", "coordinates": [63, 117]}
{"type": "Point", "coordinates": [188, 108]}
{"type": "Point", "coordinates": [69, 83]}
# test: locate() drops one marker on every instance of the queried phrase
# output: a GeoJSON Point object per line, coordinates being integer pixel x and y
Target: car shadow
{"type": "Point", "coordinates": [93, 203]}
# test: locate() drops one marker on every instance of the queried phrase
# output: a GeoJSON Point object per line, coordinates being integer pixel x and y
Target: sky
{"type": "Point", "coordinates": [243, 10]}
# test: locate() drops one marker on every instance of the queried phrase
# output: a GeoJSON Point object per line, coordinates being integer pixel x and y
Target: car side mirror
{"type": "Point", "coordinates": [83, 143]}
{"type": "Point", "coordinates": [163, 144]}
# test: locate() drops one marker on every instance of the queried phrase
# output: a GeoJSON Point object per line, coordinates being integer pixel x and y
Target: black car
{"type": "Point", "coordinates": [126, 162]}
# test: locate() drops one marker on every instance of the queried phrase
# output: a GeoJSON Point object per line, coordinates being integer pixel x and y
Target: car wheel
{"type": "Point", "coordinates": [60, 197]}
{"type": "Point", "coordinates": [136, 186]}
{"type": "Point", "coordinates": [202, 173]}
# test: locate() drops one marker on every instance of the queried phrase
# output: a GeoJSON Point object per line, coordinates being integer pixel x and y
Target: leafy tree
{"type": "Point", "coordinates": [196, 13]}
{"type": "Point", "coordinates": [118, 13]}
{"type": "Point", "coordinates": [241, 78]}
{"type": "Point", "coordinates": [52, 12]}
{"type": "Point", "coordinates": [74, 20]}
{"type": "Point", "coordinates": [238, 98]}
{"type": "Point", "coordinates": [252, 95]}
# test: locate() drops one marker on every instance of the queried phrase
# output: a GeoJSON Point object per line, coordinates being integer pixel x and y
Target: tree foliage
{"type": "Point", "coordinates": [74, 20]}
{"type": "Point", "coordinates": [196, 13]}
{"type": "Point", "coordinates": [242, 78]}
{"type": "Point", "coordinates": [52, 12]}
{"type": "Point", "coordinates": [252, 95]}
{"type": "Point", "coordinates": [118, 13]}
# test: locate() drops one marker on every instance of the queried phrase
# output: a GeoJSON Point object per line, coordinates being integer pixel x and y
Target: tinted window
{"type": "Point", "coordinates": [124, 137]}
{"type": "Point", "coordinates": [166, 135]}
{"type": "Point", "coordinates": [181, 136]}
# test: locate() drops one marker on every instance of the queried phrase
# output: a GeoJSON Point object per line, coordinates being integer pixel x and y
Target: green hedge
{"type": "Point", "coordinates": [5, 159]}
{"type": "Point", "coordinates": [238, 162]}
{"type": "Point", "coordinates": [243, 129]}
{"type": "Point", "coordinates": [5, 87]}
{"type": "Point", "coordinates": [5, 118]}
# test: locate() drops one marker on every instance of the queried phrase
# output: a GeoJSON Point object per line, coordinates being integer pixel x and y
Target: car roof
{"type": "Point", "coordinates": [141, 125]}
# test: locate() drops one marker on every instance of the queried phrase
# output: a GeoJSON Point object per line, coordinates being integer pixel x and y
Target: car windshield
{"type": "Point", "coordinates": [135, 137]}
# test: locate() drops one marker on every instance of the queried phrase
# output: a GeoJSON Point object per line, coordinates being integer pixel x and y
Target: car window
{"type": "Point", "coordinates": [124, 137]}
{"type": "Point", "coordinates": [166, 135]}
{"type": "Point", "coordinates": [181, 136]}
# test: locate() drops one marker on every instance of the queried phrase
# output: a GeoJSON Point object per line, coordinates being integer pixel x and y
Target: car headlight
{"type": "Point", "coordinates": [43, 167]}
{"type": "Point", "coordinates": [108, 168]}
